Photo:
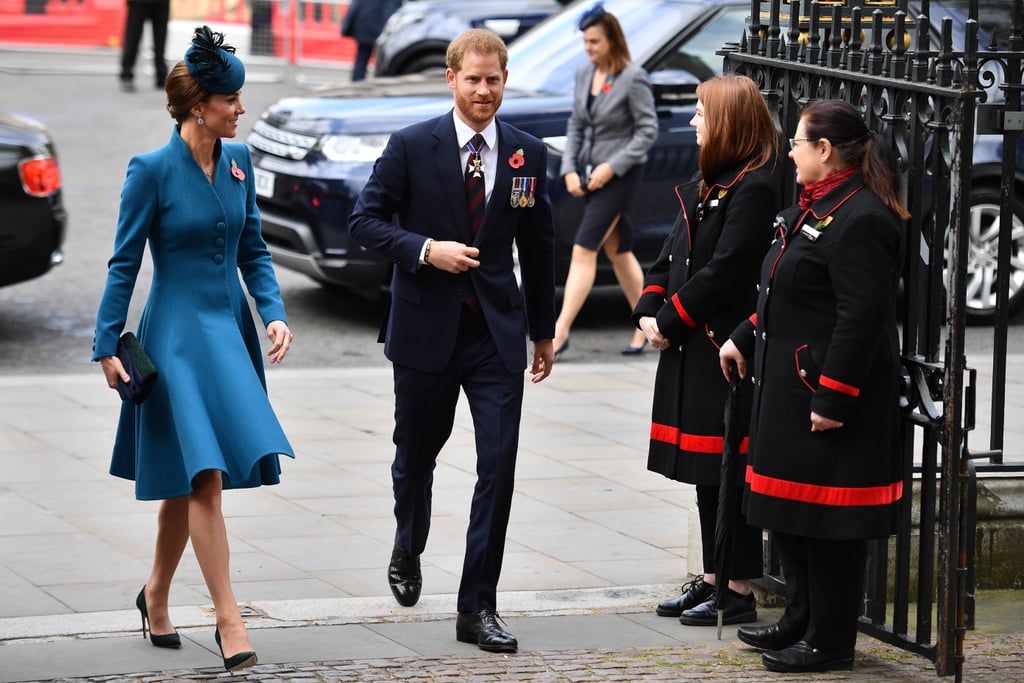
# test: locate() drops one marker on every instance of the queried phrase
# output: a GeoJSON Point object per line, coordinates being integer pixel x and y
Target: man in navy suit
{"type": "Point", "coordinates": [462, 187]}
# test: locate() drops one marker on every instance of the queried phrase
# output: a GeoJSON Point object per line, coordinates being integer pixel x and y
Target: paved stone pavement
{"type": "Point", "coordinates": [595, 541]}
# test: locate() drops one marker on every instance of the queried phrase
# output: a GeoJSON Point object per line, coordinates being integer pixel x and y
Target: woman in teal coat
{"type": "Point", "coordinates": [208, 424]}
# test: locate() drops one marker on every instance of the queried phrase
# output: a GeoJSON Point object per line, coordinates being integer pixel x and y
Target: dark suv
{"type": "Point", "coordinates": [313, 154]}
{"type": "Point", "coordinates": [416, 37]}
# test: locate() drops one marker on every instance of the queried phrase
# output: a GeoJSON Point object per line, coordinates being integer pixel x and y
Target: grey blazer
{"type": "Point", "coordinates": [619, 128]}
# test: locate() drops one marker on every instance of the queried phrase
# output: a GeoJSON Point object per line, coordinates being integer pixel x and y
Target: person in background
{"type": "Point", "coordinates": [208, 424]}
{"type": "Point", "coordinates": [447, 202]}
{"type": "Point", "coordinates": [157, 13]}
{"type": "Point", "coordinates": [612, 125]}
{"type": "Point", "coordinates": [363, 22]}
{"type": "Point", "coordinates": [824, 471]}
{"type": "Point", "coordinates": [702, 285]}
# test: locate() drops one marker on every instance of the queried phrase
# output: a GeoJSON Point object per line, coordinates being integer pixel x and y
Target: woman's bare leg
{"type": "Point", "coordinates": [171, 539]}
{"type": "Point", "coordinates": [578, 283]}
{"type": "Point", "coordinates": [628, 273]}
{"type": "Point", "coordinates": [210, 542]}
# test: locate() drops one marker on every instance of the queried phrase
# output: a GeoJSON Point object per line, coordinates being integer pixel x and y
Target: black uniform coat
{"type": "Point", "coordinates": [826, 341]}
{"type": "Point", "coordinates": [702, 285]}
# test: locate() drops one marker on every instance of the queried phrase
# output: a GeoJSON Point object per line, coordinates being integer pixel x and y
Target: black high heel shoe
{"type": "Point", "coordinates": [239, 661]}
{"type": "Point", "coordinates": [172, 640]}
{"type": "Point", "coordinates": [562, 349]}
{"type": "Point", "coordinates": [634, 350]}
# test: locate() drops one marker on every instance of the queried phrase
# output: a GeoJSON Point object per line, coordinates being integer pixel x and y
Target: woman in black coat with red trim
{"type": "Point", "coordinates": [702, 285]}
{"type": "Point", "coordinates": [824, 467]}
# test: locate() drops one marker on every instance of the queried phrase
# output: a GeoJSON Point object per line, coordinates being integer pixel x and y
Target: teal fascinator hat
{"type": "Point", "coordinates": [213, 64]}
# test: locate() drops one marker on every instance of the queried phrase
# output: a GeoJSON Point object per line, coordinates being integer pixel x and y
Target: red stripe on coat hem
{"type": "Point", "coordinates": [694, 443]}
{"type": "Point", "coordinates": [837, 496]}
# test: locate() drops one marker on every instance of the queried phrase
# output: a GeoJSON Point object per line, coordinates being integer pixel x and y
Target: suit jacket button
{"type": "Point", "coordinates": [218, 258]}
{"type": "Point", "coordinates": [803, 373]}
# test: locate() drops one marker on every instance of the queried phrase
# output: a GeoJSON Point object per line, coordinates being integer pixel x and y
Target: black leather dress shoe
{"type": "Point", "coordinates": [771, 637]}
{"type": "Point", "coordinates": [801, 658]}
{"type": "Point", "coordinates": [694, 593]}
{"type": "Point", "coordinates": [736, 609]}
{"type": "Point", "coordinates": [482, 629]}
{"type": "Point", "coordinates": [405, 577]}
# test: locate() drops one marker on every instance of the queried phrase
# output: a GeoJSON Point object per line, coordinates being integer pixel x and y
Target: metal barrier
{"type": "Point", "coordinates": [294, 33]}
{"type": "Point", "coordinates": [911, 80]}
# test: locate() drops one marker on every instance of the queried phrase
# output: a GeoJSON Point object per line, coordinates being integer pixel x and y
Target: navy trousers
{"type": "Point", "coordinates": [424, 416]}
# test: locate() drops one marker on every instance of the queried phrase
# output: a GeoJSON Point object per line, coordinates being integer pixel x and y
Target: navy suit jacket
{"type": "Point", "coordinates": [417, 191]}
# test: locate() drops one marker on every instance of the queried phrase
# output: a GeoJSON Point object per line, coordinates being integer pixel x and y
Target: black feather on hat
{"type": "Point", "coordinates": [213, 64]}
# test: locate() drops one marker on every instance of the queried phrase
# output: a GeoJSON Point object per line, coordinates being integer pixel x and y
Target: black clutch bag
{"type": "Point", "coordinates": [138, 366]}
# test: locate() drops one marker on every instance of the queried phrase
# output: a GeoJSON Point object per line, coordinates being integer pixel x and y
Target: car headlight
{"type": "Point", "coordinates": [354, 148]}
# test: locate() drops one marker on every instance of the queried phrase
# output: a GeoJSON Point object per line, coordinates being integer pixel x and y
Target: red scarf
{"type": "Point", "coordinates": [812, 192]}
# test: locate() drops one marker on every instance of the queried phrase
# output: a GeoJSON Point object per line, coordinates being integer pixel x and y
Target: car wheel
{"type": "Point", "coordinates": [983, 254]}
{"type": "Point", "coordinates": [428, 61]}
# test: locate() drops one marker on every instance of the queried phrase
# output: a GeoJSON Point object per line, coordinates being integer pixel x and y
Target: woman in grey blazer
{"type": "Point", "coordinates": [612, 125]}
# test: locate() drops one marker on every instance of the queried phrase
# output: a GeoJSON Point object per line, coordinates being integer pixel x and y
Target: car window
{"type": "Point", "coordinates": [993, 19]}
{"type": "Point", "coordinates": [546, 58]}
{"type": "Point", "coordinates": [697, 54]}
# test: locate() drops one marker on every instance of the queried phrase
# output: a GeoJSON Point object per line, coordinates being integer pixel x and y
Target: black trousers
{"type": "Point", "coordinates": [424, 416]}
{"type": "Point", "coordinates": [157, 13]}
{"type": "Point", "coordinates": [825, 586]}
{"type": "Point", "coordinates": [747, 556]}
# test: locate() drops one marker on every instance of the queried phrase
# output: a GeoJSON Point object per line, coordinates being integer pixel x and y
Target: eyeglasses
{"type": "Point", "coordinates": [793, 141]}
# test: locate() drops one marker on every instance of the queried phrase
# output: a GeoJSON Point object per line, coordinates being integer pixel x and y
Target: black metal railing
{"type": "Point", "coordinates": [922, 83]}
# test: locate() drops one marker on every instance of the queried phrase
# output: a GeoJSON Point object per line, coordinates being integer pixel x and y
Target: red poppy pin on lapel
{"type": "Point", "coordinates": [237, 172]}
{"type": "Point", "coordinates": [517, 159]}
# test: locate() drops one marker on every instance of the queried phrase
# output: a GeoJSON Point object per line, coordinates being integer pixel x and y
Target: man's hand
{"type": "Point", "coordinates": [649, 325]}
{"type": "Point", "coordinates": [543, 359]}
{"type": "Point", "coordinates": [453, 257]}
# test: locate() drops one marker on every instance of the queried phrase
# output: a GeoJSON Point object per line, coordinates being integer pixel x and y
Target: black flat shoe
{"type": "Point", "coordinates": [802, 658]}
{"type": "Point", "coordinates": [483, 630]}
{"type": "Point", "coordinates": [172, 640]}
{"type": "Point", "coordinates": [234, 662]}
{"type": "Point", "coordinates": [693, 593]}
{"type": "Point", "coordinates": [405, 577]}
{"type": "Point", "coordinates": [777, 636]}
{"type": "Point", "coordinates": [736, 609]}
{"type": "Point", "coordinates": [634, 350]}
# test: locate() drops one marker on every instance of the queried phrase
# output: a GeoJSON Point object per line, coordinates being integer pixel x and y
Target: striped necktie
{"type": "Point", "coordinates": [475, 189]}
{"type": "Point", "coordinates": [475, 204]}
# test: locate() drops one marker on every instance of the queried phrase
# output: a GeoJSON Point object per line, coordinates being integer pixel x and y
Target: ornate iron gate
{"type": "Point", "coordinates": [923, 82]}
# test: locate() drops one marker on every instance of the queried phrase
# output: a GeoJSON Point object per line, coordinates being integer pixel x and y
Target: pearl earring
{"type": "Point", "coordinates": [200, 122]}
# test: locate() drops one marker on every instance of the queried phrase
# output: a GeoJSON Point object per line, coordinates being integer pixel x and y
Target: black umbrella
{"type": "Point", "coordinates": [728, 484]}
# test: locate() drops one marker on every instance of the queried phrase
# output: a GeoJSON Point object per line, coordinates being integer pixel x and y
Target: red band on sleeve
{"type": "Point", "coordinates": [836, 385]}
{"type": "Point", "coordinates": [682, 311]}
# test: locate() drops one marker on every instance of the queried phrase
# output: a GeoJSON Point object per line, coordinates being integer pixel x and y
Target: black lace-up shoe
{"type": "Point", "coordinates": [736, 609]}
{"type": "Point", "coordinates": [693, 593]}
{"type": "Point", "coordinates": [405, 577]}
{"type": "Point", "coordinates": [771, 637]}
{"type": "Point", "coordinates": [482, 629]}
{"type": "Point", "coordinates": [802, 658]}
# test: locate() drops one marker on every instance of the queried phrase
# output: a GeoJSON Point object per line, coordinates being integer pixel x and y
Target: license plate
{"type": "Point", "coordinates": [264, 182]}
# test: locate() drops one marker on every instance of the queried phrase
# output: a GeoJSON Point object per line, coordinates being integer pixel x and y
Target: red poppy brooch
{"type": "Point", "coordinates": [517, 159]}
{"type": "Point", "coordinates": [237, 172]}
